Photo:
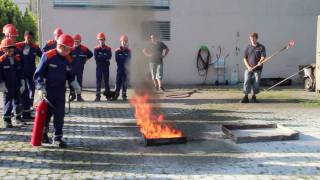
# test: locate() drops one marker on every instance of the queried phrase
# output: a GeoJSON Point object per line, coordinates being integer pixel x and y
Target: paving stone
{"type": "Point", "coordinates": [104, 142]}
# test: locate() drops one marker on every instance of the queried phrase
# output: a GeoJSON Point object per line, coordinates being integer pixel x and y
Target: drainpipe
{"type": "Point", "coordinates": [39, 22]}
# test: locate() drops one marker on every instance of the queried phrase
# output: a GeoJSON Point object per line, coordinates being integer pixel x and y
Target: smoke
{"type": "Point", "coordinates": [130, 21]}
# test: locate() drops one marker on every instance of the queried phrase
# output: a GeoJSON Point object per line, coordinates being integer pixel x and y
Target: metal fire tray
{"type": "Point", "coordinates": [165, 141]}
{"type": "Point", "coordinates": [246, 133]}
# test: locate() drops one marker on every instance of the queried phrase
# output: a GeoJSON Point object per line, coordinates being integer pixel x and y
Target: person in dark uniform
{"type": "Point", "coordinates": [102, 56]}
{"type": "Point", "coordinates": [29, 53]}
{"type": "Point", "coordinates": [52, 44]}
{"type": "Point", "coordinates": [11, 76]}
{"type": "Point", "coordinates": [10, 32]}
{"type": "Point", "coordinates": [80, 54]}
{"type": "Point", "coordinates": [123, 56]}
{"type": "Point", "coordinates": [50, 77]}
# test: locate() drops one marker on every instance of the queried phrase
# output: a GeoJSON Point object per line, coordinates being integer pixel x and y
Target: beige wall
{"type": "Point", "coordinates": [210, 22]}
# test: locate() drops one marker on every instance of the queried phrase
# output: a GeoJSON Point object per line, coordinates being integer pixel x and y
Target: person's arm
{"type": "Point", "coordinates": [166, 49]}
{"type": "Point", "coordinates": [245, 59]}
{"type": "Point", "coordinates": [38, 51]}
{"type": "Point", "coordinates": [146, 53]}
{"type": "Point", "coordinates": [89, 54]}
{"type": "Point", "coordinates": [166, 52]}
{"type": "Point", "coordinates": [109, 54]}
{"type": "Point", "coordinates": [45, 48]}
{"type": "Point", "coordinates": [95, 54]}
{"type": "Point", "coordinates": [263, 56]}
{"type": "Point", "coordinates": [39, 75]}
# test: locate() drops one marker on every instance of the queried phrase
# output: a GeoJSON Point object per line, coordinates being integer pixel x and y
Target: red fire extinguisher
{"type": "Point", "coordinates": [40, 118]}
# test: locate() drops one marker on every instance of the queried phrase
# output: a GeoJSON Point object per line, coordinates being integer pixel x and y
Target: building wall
{"type": "Point", "coordinates": [206, 22]}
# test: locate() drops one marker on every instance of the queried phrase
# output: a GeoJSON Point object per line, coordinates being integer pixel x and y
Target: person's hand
{"type": "Point", "coordinates": [3, 87]}
{"type": "Point", "coordinates": [42, 93]}
{"type": "Point", "coordinates": [249, 68]}
{"type": "Point", "coordinates": [23, 86]}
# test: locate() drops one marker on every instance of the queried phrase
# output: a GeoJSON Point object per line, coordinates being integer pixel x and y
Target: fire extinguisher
{"type": "Point", "coordinates": [39, 121]}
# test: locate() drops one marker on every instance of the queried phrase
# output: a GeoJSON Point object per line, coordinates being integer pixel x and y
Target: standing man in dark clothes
{"type": "Point", "coordinates": [154, 51]}
{"type": "Point", "coordinates": [80, 55]}
{"type": "Point", "coordinates": [102, 55]}
{"type": "Point", "coordinates": [29, 53]}
{"type": "Point", "coordinates": [254, 54]}
{"type": "Point", "coordinates": [123, 56]}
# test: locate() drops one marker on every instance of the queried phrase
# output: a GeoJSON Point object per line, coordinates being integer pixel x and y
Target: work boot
{"type": "Point", "coordinates": [79, 98]}
{"type": "Point", "coordinates": [124, 97]}
{"type": "Point", "coordinates": [18, 121]}
{"type": "Point", "coordinates": [245, 99]}
{"type": "Point", "coordinates": [115, 96]}
{"type": "Point", "coordinates": [59, 143]}
{"type": "Point", "coordinates": [46, 139]}
{"type": "Point", "coordinates": [109, 95]}
{"type": "Point", "coordinates": [97, 99]}
{"type": "Point", "coordinates": [72, 97]}
{"type": "Point", "coordinates": [254, 99]}
{"type": "Point", "coordinates": [7, 123]}
{"type": "Point", "coordinates": [27, 116]}
{"type": "Point", "coordinates": [161, 89]}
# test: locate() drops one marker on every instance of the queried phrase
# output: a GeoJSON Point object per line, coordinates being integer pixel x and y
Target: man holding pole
{"type": "Point", "coordinates": [254, 55]}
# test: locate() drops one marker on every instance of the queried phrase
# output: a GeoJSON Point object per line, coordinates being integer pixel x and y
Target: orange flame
{"type": "Point", "coordinates": [152, 126]}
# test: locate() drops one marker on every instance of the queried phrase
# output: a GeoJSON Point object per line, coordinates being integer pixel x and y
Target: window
{"type": "Point", "coordinates": [159, 28]}
{"type": "Point", "coordinates": [155, 4]}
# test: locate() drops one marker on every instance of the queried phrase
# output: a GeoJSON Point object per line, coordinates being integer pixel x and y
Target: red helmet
{"type": "Point", "coordinates": [6, 26]}
{"type": "Point", "coordinates": [124, 38]}
{"type": "Point", "coordinates": [5, 43]}
{"type": "Point", "coordinates": [66, 40]}
{"type": "Point", "coordinates": [101, 36]}
{"type": "Point", "coordinates": [77, 37]}
{"type": "Point", "coordinates": [58, 32]}
{"type": "Point", "coordinates": [10, 31]}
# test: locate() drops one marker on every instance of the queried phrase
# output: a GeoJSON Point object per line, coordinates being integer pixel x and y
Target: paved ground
{"type": "Point", "coordinates": [104, 141]}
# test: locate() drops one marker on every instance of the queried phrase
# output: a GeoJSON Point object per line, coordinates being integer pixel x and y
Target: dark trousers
{"type": "Point", "coordinates": [122, 82]}
{"type": "Point", "coordinates": [102, 71]}
{"type": "Point", "coordinates": [79, 76]}
{"type": "Point", "coordinates": [11, 103]}
{"type": "Point", "coordinates": [28, 96]}
{"type": "Point", "coordinates": [57, 99]}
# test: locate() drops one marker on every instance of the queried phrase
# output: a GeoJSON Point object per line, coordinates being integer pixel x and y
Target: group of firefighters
{"type": "Point", "coordinates": [62, 60]}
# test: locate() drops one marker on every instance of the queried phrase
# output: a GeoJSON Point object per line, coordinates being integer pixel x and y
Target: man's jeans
{"type": "Point", "coordinates": [251, 80]}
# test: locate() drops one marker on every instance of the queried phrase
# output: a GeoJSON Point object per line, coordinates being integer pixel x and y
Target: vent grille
{"type": "Point", "coordinates": [160, 28]}
{"type": "Point", "coordinates": [159, 4]}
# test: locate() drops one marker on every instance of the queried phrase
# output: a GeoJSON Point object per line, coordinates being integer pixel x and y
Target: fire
{"type": "Point", "coordinates": [152, 126]}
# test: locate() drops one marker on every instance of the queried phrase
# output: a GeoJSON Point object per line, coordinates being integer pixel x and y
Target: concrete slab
{"type": "Point", "coordinates": [247, 133]}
